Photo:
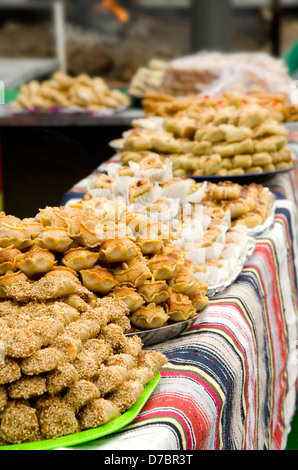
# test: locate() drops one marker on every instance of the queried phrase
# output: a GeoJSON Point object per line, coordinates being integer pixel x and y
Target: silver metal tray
{"type": "Point", "coordinates": [247, 252]}
{"type": "Point", "coordinates": [165, 333]}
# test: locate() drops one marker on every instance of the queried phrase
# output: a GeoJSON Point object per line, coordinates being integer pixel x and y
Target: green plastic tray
{"type": "Point", "coordinates": [91, 434]}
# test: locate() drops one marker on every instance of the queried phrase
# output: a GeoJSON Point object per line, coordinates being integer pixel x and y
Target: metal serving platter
{"type": "Point", "coordinates": [165, 333]}
{"type": "Point", "coordinates": [247, 178]}
{"type": "Point", "coordinates": [247, 253]}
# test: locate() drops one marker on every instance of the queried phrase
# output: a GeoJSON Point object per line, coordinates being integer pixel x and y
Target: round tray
{"type": "Point", "coordinates": [242, 179]}
{"type": "Point", "coordinates": [159, 335]}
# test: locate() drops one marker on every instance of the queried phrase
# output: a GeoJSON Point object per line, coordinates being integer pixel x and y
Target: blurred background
{"type": "Point", "coordinates": [113, 38]}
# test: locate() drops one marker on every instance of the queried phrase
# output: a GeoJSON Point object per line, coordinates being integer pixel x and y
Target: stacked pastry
{"type": "Point", "coordinates": [209, 72]}
{"type": "Point", "coordinates": [62, 91]}
{"type": "Point", "coordinates": [110, 250]}
{"type": "Point", "coordinates": [203, 218]}
{"type": "Point", "coordinates": [234, 142]}
{"type": "Point", "coordinates": [148, 78]}
{"type": "Point", "coordinates": [68, 365]}
{"type": "Point", "coordinates": [205, 109]}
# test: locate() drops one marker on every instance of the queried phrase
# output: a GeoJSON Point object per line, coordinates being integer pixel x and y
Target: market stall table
{"type": "Point", "coordinates": [231, 379]}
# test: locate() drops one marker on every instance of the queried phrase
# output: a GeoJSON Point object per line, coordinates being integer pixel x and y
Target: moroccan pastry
{"type": "Point", "coordinates": [24, 419]}
{"type": "Point", "coordinates": [242, 161]}
{"type": "Point", "coordinates": [129, 296]}
{"type": "Point", "coordinates": [27, 387]}
{"type": "Point", "coordinates": [45, 328]}
{"type": "Point", "coordinates": [225, 190]}
{"type": "Point", "coordinates": [140, 188]}
{"type": "Point", "coordinates": [260, 159]}
{"type": "Point", "coordinates": [104, 182]}
{"type": "Point", "coordinates": [52, 216]}
{"type": "Point", "coordinates": [154, 291]}
{"type": "Point", "coordinates": [85, 230]}
{"type": "Point", "coordinates": [179, 307]}
{"type": "Point", "coordinates": [68, 345]}
{"type": "Point", "coordinates": [117, 250]}
{"type": "Point", "coordinates": [57, 419]}
{"type": "Point", "coordinates": [36, 261]}
{"type": "Point", "coordinates": [8, 259]}
{"type": "Point", "coordinates": [54, 239]}
{"type": "Point", "coordinates": [149, 244]}
{"type": "Point", "coordinates": [19, 342]}
{"type": "Point", "coordinates": [183, 282]}
{"type": "Point", "coordinates": [79, 258]}
{"type": "Point", "coordinates": [198, 297]}
{"type": "Point", "coordinates": [133, 273]}
{"type": "Point", "coordinates": [182, 127]}
{"type": "Point", "coordinates": [149, 316]}
{"type": "Point", "coordinates": [109, 378]}
{"type": "Point", "coordinates": [12, 235]}
{"type": "Point", "coordinates": [97, 412]}
{"type": "Point", "coordinates": [98, 279]}
{"type": "Point", "coordinates": [126, 394]}
{"type": "Point", "coordinates": [41, 361]}
{"type": "Point", "coordinates": [61, 378]}
{"type": "Point", "coordinates": [10, 370]}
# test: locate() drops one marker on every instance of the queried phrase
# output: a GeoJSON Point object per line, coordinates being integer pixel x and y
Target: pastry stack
{"type": "Point", "coordinates": [202, 217]}
{"type": "Point", "coordinates": [230, 142]}
{"type": "Point", "coordinates": [147, 79]}
{"type": "Point", "coordinates": [68, 365]}
{"type": "Point", "coordinates": [62, 91]}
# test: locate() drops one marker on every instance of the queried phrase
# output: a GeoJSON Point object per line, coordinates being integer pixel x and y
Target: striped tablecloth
{"type": "Point", "coordinates": [231, 379]}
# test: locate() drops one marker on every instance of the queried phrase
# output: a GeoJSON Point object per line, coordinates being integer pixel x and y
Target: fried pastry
{"type": "Point", "coordinates": [61, 378]}
{"type": "Point", "coordinates": [133, 273]}
{"type": "Point", "coordinates": [12, 235]}
{"type": "Point", "coordinates": [154, 291]}
{"type": "Point", "coordinates": [98, 279]}
{"type": "Point", "coordinates": [97, 412]}
{"type": "Point", "coordinates": [27, 387]}
{"type": "Point", "coordinates": [57, 419]}
{"type": "Point", "coordinates": [79, 258]}
{"type": "Point", "coordinates": [126, 394]}
{"type": "Point", "coordinates": [117, 250]}
{"type": "Point", "coordinates": [109, 378]}
{"type": "Point", "coordinates": [149, 317]}
{"type": "Point", "coordinates": [42, 361]}
{"type": "Point", "coordinates": [10, 370]}
{"type": "Point", "coordinates": [36, 262]}
{"type": "Point", "coordinates": [179, 307]}
{"type": "Point", "coordinates": [132, 299]}
{"type": "Point", "coordinates": [19, 422]}
{"type": "Point", "coordinates": [19, 342]}
{"type": "Point", "coordinates": [8, 259]}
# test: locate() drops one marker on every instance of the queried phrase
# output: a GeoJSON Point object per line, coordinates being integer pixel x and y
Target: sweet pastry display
{"type": "Point", "coordinates": [68, 365]}
{"type": "Point", "coordinates": [209, 221]}
{"type": "Point", "coordinates": [205, 109]}
{"type": "Point", "coordinates": [147, 78]}
{"type": "Point", "coordinates": [240, 141]}
{"type": "Point", "coordinates": [214, 72]}
{"type": "Point", "coordinates": [101, 246]}
{"type": "Point", "coordinates": [65, 311]}
{"type": "Point", "coordinates": [62, 91]}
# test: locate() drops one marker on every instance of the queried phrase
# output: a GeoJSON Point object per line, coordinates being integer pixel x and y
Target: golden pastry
{"type": "Point", "coordinates": [179, 307]}
{"type": "Point", "coordinates": [98, 279]}
{"type": "Point", "coordinates": [117, 250]}
{"type": "Point", "coordinates": [149, 316]}
{"type": "Point", "coordinates": [8, 259]}
{"type": "Point", "coordinates": [79, 258]}
{"type": "Point", "coordinates": [132, 299]}
{"type": "Point", "coordinates": [133, 273]}
{"type": "Point", "coordinates": [155, 292]}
